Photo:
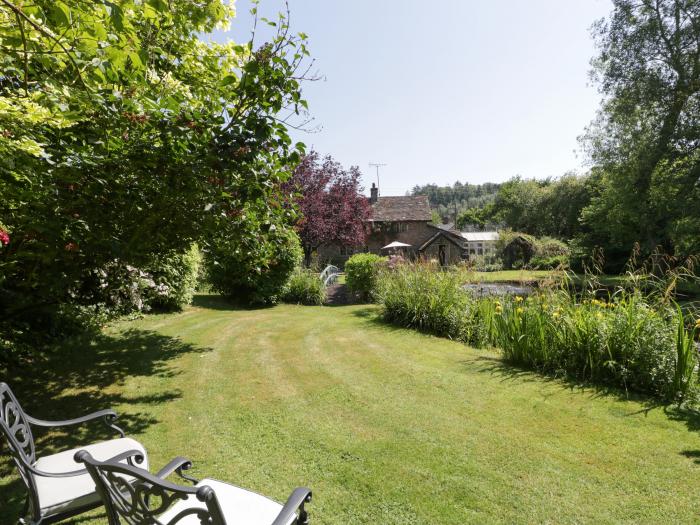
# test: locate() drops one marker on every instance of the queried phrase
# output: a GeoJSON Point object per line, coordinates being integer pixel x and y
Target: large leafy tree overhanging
{"type": "Point", "coordinates": [332, 206]}
{"type": "Point", "coordinates": [644, 143]}
{"type": "Point", "coordinates": [123, 134]}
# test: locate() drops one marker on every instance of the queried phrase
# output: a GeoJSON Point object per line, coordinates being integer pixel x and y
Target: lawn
{"type": "Point", "coordinates": [386, 425]}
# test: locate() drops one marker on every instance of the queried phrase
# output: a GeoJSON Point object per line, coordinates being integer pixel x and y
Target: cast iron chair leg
{"type": "Point", "coordinates": [303, 516]}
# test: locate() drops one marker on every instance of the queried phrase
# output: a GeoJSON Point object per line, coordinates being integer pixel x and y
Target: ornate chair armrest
{"type": "Point", "coordinates": [136, 455]}
{"type": "Point", "coordinates": [179, 464]}
{"type": "Point", "coordinates": [109, 417]}
{"type": "Point", "coordinates": [295, 503]}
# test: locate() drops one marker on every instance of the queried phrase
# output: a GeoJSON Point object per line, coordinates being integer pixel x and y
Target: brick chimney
{"type": "Point", "coordinates": [374, 194]}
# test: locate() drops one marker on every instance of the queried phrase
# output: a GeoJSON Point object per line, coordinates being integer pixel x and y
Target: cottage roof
{"type": "Point", "coordinates": [412, 208]}
{"type": "Point", "coordinates": [480, 236]}
{"type": "Point", "coordinates": [445, 234]}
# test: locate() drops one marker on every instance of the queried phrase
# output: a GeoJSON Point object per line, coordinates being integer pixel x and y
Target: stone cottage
{"type": "Point", "coordinates": [404, 219]}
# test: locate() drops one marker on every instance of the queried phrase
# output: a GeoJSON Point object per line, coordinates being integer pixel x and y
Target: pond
{"type": "Point", "coordinates": [498, 289]}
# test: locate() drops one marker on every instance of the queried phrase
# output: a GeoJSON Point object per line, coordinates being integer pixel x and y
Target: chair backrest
{"type": "Point", "coordinates": [17, 432]}
{"type": "Point", "coordinates": [135, 497]}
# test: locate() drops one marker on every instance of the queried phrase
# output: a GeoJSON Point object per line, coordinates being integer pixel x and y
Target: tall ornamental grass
{"type": "Point", "coordinates": [628, 340]}
{"type": "Point", "coordinates": [418, 296]}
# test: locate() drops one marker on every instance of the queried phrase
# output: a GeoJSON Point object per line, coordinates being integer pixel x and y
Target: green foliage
{"type": "Point", "coordinates": [418, 296]}
{"type": "Point", "coordinates": [475, 217]}
{"type": "Point", "coordinates": [550, 254]}
{"type": "Point", "coordinates": [549, 207]}
{"type": "Point", "coordinates": [486, 263]}
{"type": "Point", "coordinates": [304, 287]}
{"type": "Point", "coordinates": [630, 341]}
{"type": "Point", "coordinates": [254, 272]}
{"type": "Point", "coordinates": [166, 282]}
{"type": "Point", "coordinates": [449, 202]}
{"type": "Point", "coordinates": [361, 271]}
{"type": "Point", "coordinates": [176, 274]}
{"type": "Point", "coordinates": [515, 249]}
{"type": "Point", "coordinates": [549, 262]}
{"type": "Point", "coordinates": [125, 136]}
{"type": "Point", "coordinates": [520, 250]}
{"type": "Point", "coordinates": [642, 143]}
{"type": "Point", "coordinates": [118, 288]}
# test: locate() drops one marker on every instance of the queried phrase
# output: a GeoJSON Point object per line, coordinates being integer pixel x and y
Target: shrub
{"type": "Point", "coordinates": [486, 263]}
{"type": "Point", "coordinates": [416, 296]}
{"type": "Point", "coordinates": [549, 254]}
{"type": "Point", "coordinates": [255, 272]}
{"type": "Point", "coordinates": [176, 276]}
{"type": "Point", "coordinates": [304, 287]}
{"type": "Point", "coordinates": [361, 272]}
{"type": "Point", "coordinates": [117, 288]}
{"type": "Point", "coordinates": [539, 262]}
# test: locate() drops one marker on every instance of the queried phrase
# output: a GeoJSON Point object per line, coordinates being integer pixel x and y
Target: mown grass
{"type": "Point", "coordinates": [387, 425]}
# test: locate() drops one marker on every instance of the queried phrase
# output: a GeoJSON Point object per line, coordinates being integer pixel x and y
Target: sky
{"type": "Point", "coordinates": [447, 90]}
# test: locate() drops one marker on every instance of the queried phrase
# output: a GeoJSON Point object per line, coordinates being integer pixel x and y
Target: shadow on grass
{"type": "Point", "coordinates": [496, 366]}
{"type": "Point", "coordinates": [509, 372]}
{"type": "Point", "coordinates": [84, 375]}
{"type": "Point", "coordinates": [371, 314]}
{"type": "Point", "coordinates": [219, 302]}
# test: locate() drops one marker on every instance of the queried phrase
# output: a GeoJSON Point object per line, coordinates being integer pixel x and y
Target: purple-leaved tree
{"type": "Point", "coordinates": [331, 202]}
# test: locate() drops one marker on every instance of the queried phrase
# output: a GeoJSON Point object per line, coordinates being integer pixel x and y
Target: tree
{"type": "Point", "coordinates": [644, 142]}
{"type": "Point", "coordinates": [451, 201]}
{"type": "Point", "coordinates": [550, 207]}
{"type": "Point", "coordinates": [124, 135]}
{"type": "Point", "coordinates": [475, 217]}
{"type": "Point", "coordinates": [332, 206]}
{"type": "Point", "coordinates": [518, 204]}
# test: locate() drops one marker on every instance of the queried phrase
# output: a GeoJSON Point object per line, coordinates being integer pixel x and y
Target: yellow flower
{"type": "Point", "coordinates": [519, 310]}
{"type": "Point", "coordinates": [599, 315]}
{"type": "Point", "coordinates": [518, 299]}
{"type": "Point", "coordinates": [555, 314]}
{"type": "Point", "coordinates": [499, 308]}
{"type": "Point", "coordinates": [697, 323]}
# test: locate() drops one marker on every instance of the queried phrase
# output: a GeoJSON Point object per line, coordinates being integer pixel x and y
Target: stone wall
{"type": "Point", "coordinates": [415, 234]}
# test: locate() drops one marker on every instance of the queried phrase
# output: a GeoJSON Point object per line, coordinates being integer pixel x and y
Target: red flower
{"type": "Point", "coordinates": [71, 247]}
{"type": "Point", "coordinates": [4, 238]}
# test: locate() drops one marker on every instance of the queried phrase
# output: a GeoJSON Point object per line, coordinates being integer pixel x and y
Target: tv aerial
{"type": "Point", "coordinates": [377, 165]}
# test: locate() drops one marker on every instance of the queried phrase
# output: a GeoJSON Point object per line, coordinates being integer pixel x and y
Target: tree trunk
{"type": "Point", "coordinates": [653, 225]}
{"type": "Point", "coordinates": [307, 255]}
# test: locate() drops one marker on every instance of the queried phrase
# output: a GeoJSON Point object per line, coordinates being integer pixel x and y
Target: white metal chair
{"type": "Point", "coordinates": [133, 496]}
{"type": "Point", "coordinates": [57, 486]}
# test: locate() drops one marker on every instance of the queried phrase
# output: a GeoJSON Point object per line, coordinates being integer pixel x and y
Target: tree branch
{"type": "Point", "coordinates": [19, 13]}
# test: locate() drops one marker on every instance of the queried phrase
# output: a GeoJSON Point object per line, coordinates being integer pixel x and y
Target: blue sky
{"type": "Point", "coordinates": [468, 90]}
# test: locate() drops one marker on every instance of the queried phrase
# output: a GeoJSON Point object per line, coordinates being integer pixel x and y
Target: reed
{"type": "Point", "coordinates": [639, 342]}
